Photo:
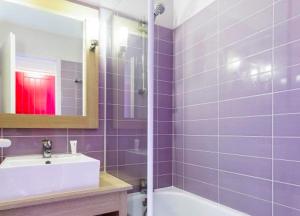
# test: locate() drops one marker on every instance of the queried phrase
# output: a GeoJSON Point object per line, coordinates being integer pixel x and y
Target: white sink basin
{"type": "Point", "coordinates": [30, 175]}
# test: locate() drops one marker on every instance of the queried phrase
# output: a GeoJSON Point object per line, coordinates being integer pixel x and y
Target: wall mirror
{"type": "Point", "coordinates": [48, 64]}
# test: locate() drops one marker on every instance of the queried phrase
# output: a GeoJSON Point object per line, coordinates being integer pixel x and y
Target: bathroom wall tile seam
{"type": "Point", "coordinates": [272, 110]}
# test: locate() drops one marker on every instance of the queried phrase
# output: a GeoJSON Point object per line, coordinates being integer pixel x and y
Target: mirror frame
{"type": "Point", "coordinates": [91, 62]}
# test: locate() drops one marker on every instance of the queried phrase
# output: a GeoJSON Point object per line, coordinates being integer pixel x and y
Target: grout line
{"type": "Point", "coordinates": [272, 76]}
{"type": "Point", "coordinates": [218, 89]}
{"type": "Point", "coordinates": [157, 157]}
{"type": "Point", "coordinates": [183, 102]}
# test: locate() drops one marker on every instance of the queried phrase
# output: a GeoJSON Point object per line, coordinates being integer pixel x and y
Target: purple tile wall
{"type": "Point", "coordinates": [163, 107]}
{"type": "Point", "coordinates": [71, 91]}
{"type": "Point", "coordinates": [237, 108]}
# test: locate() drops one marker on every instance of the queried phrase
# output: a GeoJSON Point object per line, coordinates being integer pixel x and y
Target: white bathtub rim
{"type": "Point", "coordinates": [211, 203]}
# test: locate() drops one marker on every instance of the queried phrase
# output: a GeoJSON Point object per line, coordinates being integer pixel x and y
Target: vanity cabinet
{"type": "Point", "coordinates": [110, 199]}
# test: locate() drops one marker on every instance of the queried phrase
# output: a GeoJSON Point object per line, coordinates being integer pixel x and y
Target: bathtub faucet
{"type": "Point", "coordinates": [47, 147]}
{"type": "Point", "coordinates": [143, 186]}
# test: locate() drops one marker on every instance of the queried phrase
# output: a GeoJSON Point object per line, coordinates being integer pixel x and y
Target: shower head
{"type": "Point", "coordinates": [159, 9]}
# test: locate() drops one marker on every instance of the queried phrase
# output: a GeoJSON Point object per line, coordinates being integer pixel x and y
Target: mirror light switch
{"type": "Point", "coordinates": [5, 143]}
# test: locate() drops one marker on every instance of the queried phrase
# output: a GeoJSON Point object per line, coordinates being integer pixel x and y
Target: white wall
{"type": "Point", "coordinates": [33, 42]}
{"type": "Point", "coordinates": [7, 73]}
{"type": "Point", "coordinates": [185, 9]}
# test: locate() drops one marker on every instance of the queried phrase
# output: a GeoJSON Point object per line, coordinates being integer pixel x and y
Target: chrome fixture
{"type": "Point", "coordinates": [159, 9]}
{"type": "Point", "coordinates": [47, 148]}
{"type": "Point", "coordinates": [94, 44]}
{"type": "Point", "coordinates": [78, 81]}
{"type": "Point", "coordinates": [142, 28]}
{"type": "Point", "coordinates": [143, 190]}
{"type": "Point", "coordinates": [143, 186]}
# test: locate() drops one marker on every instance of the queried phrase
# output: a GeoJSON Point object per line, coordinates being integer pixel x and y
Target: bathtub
{"type": "Point", "coordinates": [176, 202]}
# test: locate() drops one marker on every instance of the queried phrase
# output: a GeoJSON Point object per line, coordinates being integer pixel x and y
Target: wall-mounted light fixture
{"type": "Point", "coordinates": [94, 44]}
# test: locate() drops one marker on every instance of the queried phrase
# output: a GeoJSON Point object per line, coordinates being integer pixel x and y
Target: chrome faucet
{"type": "Point", "coordinates": [143, 186]}
{"type": "Point", "coordinates": [47, 147]}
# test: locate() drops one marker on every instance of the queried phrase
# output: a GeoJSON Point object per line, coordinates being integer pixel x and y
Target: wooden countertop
{"type": "Point", "coordinates": [108, 184]}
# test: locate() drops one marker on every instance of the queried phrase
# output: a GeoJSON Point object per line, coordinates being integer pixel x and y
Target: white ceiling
{"type": "Point", "coordinates": [177, 11]}
{"type": "Point", "coordinates": [40, 20]}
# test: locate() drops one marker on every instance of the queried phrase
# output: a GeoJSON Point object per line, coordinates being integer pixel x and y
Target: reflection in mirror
{"type": "Point", "coordinates": [41, 62]}
{"type": "Point", "coordinates": [130, 72]}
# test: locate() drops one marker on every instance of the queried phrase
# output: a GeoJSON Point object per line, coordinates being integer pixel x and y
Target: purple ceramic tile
{"type": "Point", "coordinates": [205, 95]}
{"type": "Point", "coordinates": [111, 158]}
{"type": "Point", "coordinates": [257, 167]}
{"type": "Point", "coordinates": [252, 25]}
{"type": "Point", "coordinates": [165, 33]}
{"type": "Point", "coordinates": [165, 74]}
{"type": "Point", "coordinates": [132, 157]}
{"type": "Point", "coordinates": [196, 50]}
{"type": "Point", "coordinates": [285, 10]}
{"type": "Point", "coordinates": [177, 141]}
{"type": "Point", "coordinates": [164, 181]}
{"type": "Point", "coordinates": [225, 6]}
{"type": "Point", "coordinates": [202, 189]}
{"type": "Point", "coordinates": [199, 158]}
{"type": "Point", "coordinates": [287, 195]}
{"type": "Point", "coordinates": [286, 171]}
{"type": "Point", "coordinates": [164, 128]}
{"type": "Point", "coordinates": [287, 78]}
{"type": "Point", "coordinates": [201, 80]}
{"type": "Point", "coordinates": [249, 86]}
{"type": "Point", "coordinates": [250, 46]}
{"type": "Point", "coordinates": [287, 55]}
{"type": "Point", "coordinates": [178, 156]}
{"type": "Point", "coordinates": [202, 111]}
{"type": "Point", "coordinates": [287, 148]}
{"type": "Point", "coordinates": [164, 114]}
{"type": "Point", "coordinates": [202, 174]}
{"type": "Point", "coordinates": [254, 68]}
{"type": "Point", "coordinates": [205, 143]}
{"type": "Point", "coordinates": [259, 105]}
{"type": "Point", "coordinates": [201, 127]}
{"type": "Point", "coordinates": [200, 65]}
{"type": "Point", "coordinates": [165, 47]}
{"type": "Point", "coordinates": [248, 126]}
{"type": "Point", "coordinates": [287, 102]}
{"type": "Point", "coordinates": [178, 168]}
{"type": "Point", "coordinates": [165, 61]}
{"type": "Point", "coordinates": [35, 132]}
{"type": "Point", "coordinates": [164, 101]}
{"type": "Point", "coordinates": [245, 203]}
{"type": "Point", "coordinates": [246, 185]}
{"type": "Point", "coordinates": [164, 88]}
{"type": "Point", "coordinates": [250, 146]}
{"type": "Point", "coordinates": [178, 181]}
{"type": "Point", "coordinates": [287, 31]}
{"type": "Point", "coordinates": [280, 210]}
{"type": "Point", "coordinates": [165, 168]}
{"type": "Point", "coordinates": [165, 154]}
{"type": "Point", "coordinates": [240, 11]}
{"type": "Point", "coordinates": [164, 141]}
{"type": "Point", "coordinates": [287, 125]}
